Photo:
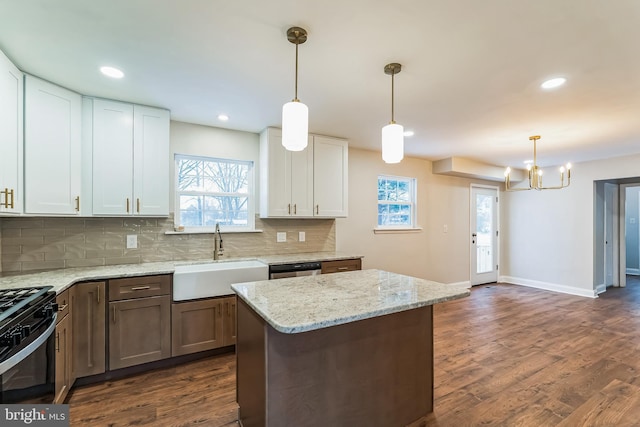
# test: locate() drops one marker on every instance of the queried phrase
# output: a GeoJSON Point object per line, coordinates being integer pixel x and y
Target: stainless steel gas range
{"type": "Point", "coordinates": [27, 345]}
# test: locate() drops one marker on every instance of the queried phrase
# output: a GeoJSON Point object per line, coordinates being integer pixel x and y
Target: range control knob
{"type": "Point", "coordinates": [16, 337]}
{"type": "Point", "coordinates": [26, 331]}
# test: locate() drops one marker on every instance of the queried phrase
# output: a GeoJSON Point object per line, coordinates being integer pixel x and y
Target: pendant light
{"type": "Point", "coordinates": [393, 133]}
{"type": "Point", "coordinates": [295, 115]}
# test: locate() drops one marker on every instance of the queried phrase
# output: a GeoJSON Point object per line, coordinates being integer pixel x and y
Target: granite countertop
{"type": "Point", "coordinates": [306, 303]}
{"type": "Point", "coordinates": [63, 278]}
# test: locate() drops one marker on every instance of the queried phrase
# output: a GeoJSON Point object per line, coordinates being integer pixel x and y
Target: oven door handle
{"type": "Point", "coordinates": [25, 352]}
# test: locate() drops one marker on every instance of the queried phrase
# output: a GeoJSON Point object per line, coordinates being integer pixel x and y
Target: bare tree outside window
{"type": "Point", "coordinates": [210, 191]}
{"type": "Point", "coordinates": [396, 201]}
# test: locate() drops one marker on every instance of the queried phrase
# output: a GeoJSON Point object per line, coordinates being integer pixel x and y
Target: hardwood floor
{"type": "Point", "coordinates": [505, 356]}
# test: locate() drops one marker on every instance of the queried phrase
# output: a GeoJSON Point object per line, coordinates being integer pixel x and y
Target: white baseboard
{"type": "Point", "coordinates": [601, 288]}
{"type": "Point", "coordinates": [564, 289]}
{"type": "Point", "coordinates": [633, 271]}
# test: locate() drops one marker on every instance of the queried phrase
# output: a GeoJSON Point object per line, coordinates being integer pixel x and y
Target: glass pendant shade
{"type": "Point", "coordinates": [295, 126]}
{"type": "Point", "coordinates": [392, 143]}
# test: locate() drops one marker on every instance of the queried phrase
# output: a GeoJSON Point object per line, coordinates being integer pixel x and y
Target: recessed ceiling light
{"type": "Point", "coordinates": [223, 117]}
{"type": "Point", "coordinates": [112, 72]}
{"type": "Point", "coordinates": [408, 133]}
{"type": "Point", "coordinates": [553, 83]}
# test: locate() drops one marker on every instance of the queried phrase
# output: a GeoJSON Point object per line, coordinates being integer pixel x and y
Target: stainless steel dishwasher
{"type": "Point", "coordinates": [280, 271]}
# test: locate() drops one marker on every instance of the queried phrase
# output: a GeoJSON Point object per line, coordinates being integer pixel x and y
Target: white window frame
{"type": "Point", "coordinates": [251, 202]}
{"type": "Point", "coordinates": [413, 203]}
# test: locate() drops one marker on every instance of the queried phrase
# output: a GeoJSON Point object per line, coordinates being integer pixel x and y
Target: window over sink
{"type": "Point", "coordinates": [214, 190]}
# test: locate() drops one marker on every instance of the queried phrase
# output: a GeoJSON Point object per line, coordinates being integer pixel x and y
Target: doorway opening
{"type": "Point", "coordinates": [616, 233]}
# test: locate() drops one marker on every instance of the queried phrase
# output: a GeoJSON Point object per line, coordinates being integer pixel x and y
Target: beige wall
{"type": "Point", "coordinates": [430, 254]}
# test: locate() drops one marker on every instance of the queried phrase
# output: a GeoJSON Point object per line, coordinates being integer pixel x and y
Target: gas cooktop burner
{"type": "Point", "coordinates": [14, 300]}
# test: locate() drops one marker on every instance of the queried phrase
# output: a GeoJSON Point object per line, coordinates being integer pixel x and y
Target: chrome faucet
{"type": "Point", "coordinates": [217, 243]}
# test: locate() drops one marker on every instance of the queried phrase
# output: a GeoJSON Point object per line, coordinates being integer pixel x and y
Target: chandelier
{"type": "Point", "coordinates": [535, 174]}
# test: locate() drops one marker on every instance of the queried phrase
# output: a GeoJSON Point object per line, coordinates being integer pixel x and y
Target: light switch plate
{"type": "Point", "coordinates": [281, 236]}
{"type": "Point", "coordinates": [301, 236]}
{"type": "Point", "coordinates": [132, 241]}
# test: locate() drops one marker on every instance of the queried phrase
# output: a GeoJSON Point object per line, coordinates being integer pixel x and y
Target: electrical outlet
{"type": "Point", "coordinates": [281, 236]}
{"type": "Point", "coordinates": [445, 228]}
{"type": "Point", "coordinates": [132, 241]}
{"type": "Point", "coordinates": [301, 236]}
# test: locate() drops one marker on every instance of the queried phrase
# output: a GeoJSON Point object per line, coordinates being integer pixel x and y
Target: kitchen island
{"type": "Point", "coordinates": [343, 349]}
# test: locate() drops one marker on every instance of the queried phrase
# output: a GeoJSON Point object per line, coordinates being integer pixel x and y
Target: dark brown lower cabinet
{"type": "Point", "coordinates": [139, 331]}
{"type": "Point", "coordinates": [63, 349]}
{"type": "Point", "coordinates": [229, 323]}
{"type": "Point", "coordinates": [88, 304]}
{"type": "Point", "coordinates": [203, 325]}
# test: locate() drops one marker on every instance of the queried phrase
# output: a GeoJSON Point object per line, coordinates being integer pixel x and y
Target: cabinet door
{"type": "Point", "coordinates": [11, 128]}
{"type": "Point", "coordinates": [151, 161]}
{"type": "Point", "coordinates": [112, 157]}
{"type": "Point", "coordinates": [302, 181]}
{"type": "Point", "coordinates": [330, 158]}
{"type": "Point", "coordinates": [229, 324]}
{"type": "Point", "coordinates": [275, 176]}
{"type": "Point", "coordinates": [88, 310]}
{"type": "Point", "coordinates": [196, 326]}
{"type": "Point", "coordinates": [51, 148]}
{"type": "Point", "coordinates": [63, 365]}
{"type": "Point", "coordinates": [139, 331]}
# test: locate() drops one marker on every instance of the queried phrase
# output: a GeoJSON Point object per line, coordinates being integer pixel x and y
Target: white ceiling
{"type": "Point", "coordinates": [469, 84]}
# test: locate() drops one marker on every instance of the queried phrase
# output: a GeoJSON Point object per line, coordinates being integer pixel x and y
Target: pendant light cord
{"type": "Point", "coordinates": [392, 90]}
{"type": "Point", "coordinates": [295, 99]}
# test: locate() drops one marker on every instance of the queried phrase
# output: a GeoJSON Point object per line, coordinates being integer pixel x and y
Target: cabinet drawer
{"type": "Point", "coordinates": [139, 287]}
{"type": "Point", "coordinates": [341, 265]}
{"type": "Point", "coordinates": [62, 299]}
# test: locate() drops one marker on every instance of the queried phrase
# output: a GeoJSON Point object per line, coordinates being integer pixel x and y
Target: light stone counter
{"type": "Point", "coordinates": [63, 278]}
{"type": "Point", "coordinates": [307, 303]}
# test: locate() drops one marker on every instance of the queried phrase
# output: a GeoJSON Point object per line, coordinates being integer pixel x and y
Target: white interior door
{"type": "Point", "coordinates": [484, 235]}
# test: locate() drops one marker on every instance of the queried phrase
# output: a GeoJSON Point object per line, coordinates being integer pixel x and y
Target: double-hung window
{"type": "Point", "coordinates": [396, 202]}
{"type": "Point", "coordinates": [212, 190]}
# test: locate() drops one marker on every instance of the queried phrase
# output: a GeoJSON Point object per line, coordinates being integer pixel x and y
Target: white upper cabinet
{"type": "Point", "coordinates": [305, 184]}
{"type": "Point", "coordinates": [112, 157]}
{"type": "Point", "coordinates": [130, 159]}
{"type": "Point", "coordinates": [11, 137]}
{"type": "Point", "coordinates": [52, 149]}
{"type": "Point", "coordinates": [330, 177]}
{"type": "Point", "coordinates": [151, 160]}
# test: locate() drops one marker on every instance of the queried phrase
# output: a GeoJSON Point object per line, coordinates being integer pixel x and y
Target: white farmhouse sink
{"type": "Point", "coordinates": [214, 279]}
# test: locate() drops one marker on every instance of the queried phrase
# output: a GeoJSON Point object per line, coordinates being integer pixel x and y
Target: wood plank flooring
{"type": "Point", "coordinates": [505, 356]}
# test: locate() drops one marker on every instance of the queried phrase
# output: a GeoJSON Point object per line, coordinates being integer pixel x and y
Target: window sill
{"type": "Point", "coordinates": [397, 230]}
{"type": "Point", "coordinates": [212, 232]}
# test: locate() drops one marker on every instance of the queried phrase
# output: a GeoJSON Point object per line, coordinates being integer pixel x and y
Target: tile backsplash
{"type": "Point", "coordinates": [48, 243]}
